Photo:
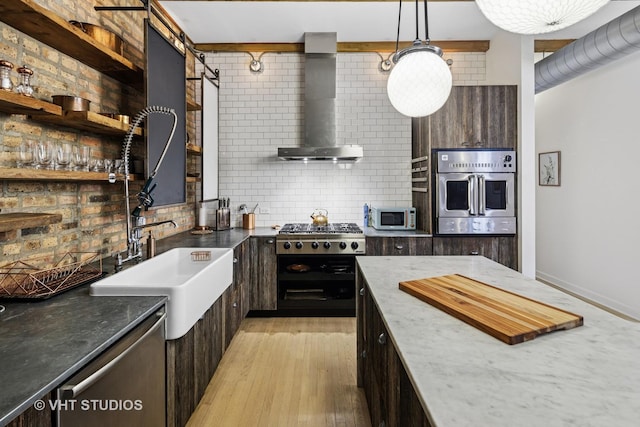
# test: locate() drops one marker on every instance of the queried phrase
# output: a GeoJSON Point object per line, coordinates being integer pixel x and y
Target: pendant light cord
{"type": "Point", "coordinates": [417, 34]}
{"type": "Point", "coordinates": [399, 15]}
{"type": "Point", "coordinates": [426, 21]}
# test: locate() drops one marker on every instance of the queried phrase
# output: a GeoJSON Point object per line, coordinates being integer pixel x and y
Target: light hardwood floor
{"type": "Point", "coordinates": [286, 372]}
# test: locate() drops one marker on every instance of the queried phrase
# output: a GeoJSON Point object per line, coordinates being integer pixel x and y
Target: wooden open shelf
{"type": "Point", "coordinates": [194, 149]}
{"type": "Point", "coordinates": [58, 175]}
{"type": "Point", "coordinates": [20, 220]}
{"type": "Point", "coordinates": [89, 121]}
{"type": "Point", "coordinates": [51, 29]}
{"type": "Point", "coordinates": [192, 106]}
{"type": "Point", "coordinates": [191, 179]}
{"type": "Point", "coordinates": [15, 103]}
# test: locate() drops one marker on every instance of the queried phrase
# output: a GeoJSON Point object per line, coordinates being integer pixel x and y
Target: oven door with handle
{"type": "Point", "coordinates": [463, 195]}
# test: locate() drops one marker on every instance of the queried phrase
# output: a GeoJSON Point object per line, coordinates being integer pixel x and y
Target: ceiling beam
{"type": "Point", "coordinates": [542, 46]}
{"type": "Point", "coordinates": [351, 47]}
{"type": "Point", "coordinates": [450, 46]}
{"type": "Point", "coordinates": [338, 1]}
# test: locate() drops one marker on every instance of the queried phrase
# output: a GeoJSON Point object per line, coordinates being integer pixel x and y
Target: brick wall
{"type": "Point", "coordinates": [93, 217]}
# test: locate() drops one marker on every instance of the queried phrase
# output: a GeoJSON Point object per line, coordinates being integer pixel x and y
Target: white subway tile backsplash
{"type": "Point", "coordinates": [260, 112]}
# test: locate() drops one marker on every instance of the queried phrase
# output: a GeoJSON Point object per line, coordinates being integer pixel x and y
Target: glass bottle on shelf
{"type": "Point", "coordinates": [5, 78]}
{"type": "Point", "coordinates": [25, 87]}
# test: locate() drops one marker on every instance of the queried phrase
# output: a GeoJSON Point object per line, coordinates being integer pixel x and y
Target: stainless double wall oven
{"type": "Point", "coordinates": [474, 191]}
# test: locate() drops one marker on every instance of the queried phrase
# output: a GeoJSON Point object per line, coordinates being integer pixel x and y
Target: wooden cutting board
{"type": "Point", "coordinates": [509, 317]}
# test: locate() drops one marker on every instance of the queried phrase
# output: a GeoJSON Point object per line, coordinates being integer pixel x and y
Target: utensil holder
{"type": "Point", "coordinates": [249, 221]}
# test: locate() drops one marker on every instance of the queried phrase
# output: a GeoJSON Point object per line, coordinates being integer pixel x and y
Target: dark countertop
{"type": "Point", "coordinates": [42, 343]}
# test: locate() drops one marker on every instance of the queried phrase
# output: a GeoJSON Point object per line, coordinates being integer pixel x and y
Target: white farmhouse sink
{"type": "Point", "coordinates": [191, 285]}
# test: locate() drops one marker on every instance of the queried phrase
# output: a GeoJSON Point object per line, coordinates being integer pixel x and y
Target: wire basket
{"type": "Point", "coordinates": [27, 279]}
{"type": "Point", "coordinates": [201, 256]}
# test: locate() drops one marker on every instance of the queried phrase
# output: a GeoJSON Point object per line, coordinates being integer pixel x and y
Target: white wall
{"type": "Point", "coordinates": [261, 112]}
{"type": "Point", "coordinates": [510, 61]}
{"type": "Point", "coordinates": [588, 229]}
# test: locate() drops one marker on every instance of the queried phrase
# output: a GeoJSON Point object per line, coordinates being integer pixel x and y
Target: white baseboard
{"type": "Point", "coordinates": [602, 301]}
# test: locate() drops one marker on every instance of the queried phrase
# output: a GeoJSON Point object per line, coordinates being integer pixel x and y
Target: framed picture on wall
{"type": "Point", "coordinates": [549, 168]}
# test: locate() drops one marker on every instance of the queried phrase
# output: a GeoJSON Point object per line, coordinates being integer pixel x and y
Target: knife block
{"type": "Point", "coordinates": [223, 219]}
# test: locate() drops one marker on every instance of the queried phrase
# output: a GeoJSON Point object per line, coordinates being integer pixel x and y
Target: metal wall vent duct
{"type": "Point", "coordinates": [612, 41]}
{"type": "Point", "coordinates": [320, 105]}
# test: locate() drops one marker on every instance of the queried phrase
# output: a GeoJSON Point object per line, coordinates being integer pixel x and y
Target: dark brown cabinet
{"type": "Point", "coordinates": [399, 246]}
{"type": "Point", "coordinates": [235, 297]}
{"type": "Point", "coordinates": [264, 276]}
{"type": "Point", "coordinates": [35, 418]}
{"type": "Point", "coordinates": [191, 362]}
{"type": "Point", "coordinates": [472, 117]}
{"type": "Point", "coordinates": [390, 395]}
{"type": "Point", "coordinates": [499, 249]}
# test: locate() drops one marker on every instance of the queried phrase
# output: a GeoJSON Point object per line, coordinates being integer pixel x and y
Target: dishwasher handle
{"type": "Point", "coordinates": [70, 391]}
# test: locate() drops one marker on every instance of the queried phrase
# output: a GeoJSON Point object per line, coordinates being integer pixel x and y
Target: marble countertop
{"type": "Point", "coordinates": [586, 376]}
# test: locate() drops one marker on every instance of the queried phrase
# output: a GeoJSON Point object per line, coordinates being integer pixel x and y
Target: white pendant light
{"type": "Point", "coordinates": [420, 82]}
{"type": "Point", "coordinates": [537, 16]}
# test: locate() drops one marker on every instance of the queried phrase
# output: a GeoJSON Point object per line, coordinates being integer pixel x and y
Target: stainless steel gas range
{"type": "Point", "coordinates": [316, 268]}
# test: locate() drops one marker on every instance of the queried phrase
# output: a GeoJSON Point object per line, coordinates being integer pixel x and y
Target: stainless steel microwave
{"type": "Point", "coordinates": [393, 218]}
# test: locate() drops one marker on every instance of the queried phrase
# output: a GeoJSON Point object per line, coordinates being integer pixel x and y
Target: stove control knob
{"type": "Point", "coordinates": [354, 245]}
{"type": "Point", "coordinates": [298, 245]}
{"type": "Point", "coordinates": [287, 245]}
{"type": "Point", "coordinates": [327, 245]}
{"type": "Point", "coordinates": [343, 245]}
{"type": "Point", "coordinates": [315, 245]}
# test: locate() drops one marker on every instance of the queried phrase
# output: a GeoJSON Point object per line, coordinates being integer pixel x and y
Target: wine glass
{"type": "Point", "coordinates": [44, 155]}
{"type": "Point", "coordinates": [108, 165]}
{"type": "Point", "coordinates": [63, 156]}
{"type": "Point", "coordinates": [96, 165]}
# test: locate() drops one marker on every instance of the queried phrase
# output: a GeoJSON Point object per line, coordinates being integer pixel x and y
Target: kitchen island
{"type": "Point", "coordinates": [586, 376]}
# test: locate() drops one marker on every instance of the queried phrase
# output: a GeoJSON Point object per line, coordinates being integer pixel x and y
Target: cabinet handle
{"type": "Point", "coordinates": [235, 260]}
{"type": "Point", "coordinates": [234, 305]}
{"type": "Point", "coordinates": [474, 253]}
{"type": "Point", "coordinates": [361, 292]}
{"type": "Point", "coordinates": [382, 339]}
{"type": "Point", "coordinates": [363, 354]}
{"type": "Point", "coordinates": [270, 241]}
{"type": "Point", "coordinates": [399, 247]}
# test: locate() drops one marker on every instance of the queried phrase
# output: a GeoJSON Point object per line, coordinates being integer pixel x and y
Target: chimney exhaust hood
{"type": "Point", "coordinates": [320, 105]}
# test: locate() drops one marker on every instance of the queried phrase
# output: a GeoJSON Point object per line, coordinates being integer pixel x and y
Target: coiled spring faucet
{"type": "Point", "coordinates": [134, 231]}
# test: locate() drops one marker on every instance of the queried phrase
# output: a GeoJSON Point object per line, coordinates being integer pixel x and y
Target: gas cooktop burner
{"type": "Point", "coordinates": [333, 228]}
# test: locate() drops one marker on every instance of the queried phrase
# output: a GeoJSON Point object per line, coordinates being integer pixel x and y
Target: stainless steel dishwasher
{"type": "Point", "coordinates": [124, 386]}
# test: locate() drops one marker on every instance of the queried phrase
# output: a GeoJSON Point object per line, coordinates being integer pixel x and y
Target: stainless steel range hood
{"type": "Point", "coordinates": [320, 105]}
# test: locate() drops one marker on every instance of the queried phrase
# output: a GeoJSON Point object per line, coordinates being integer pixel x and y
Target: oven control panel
{"type": "Point", "coordinates": [320, 246]}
